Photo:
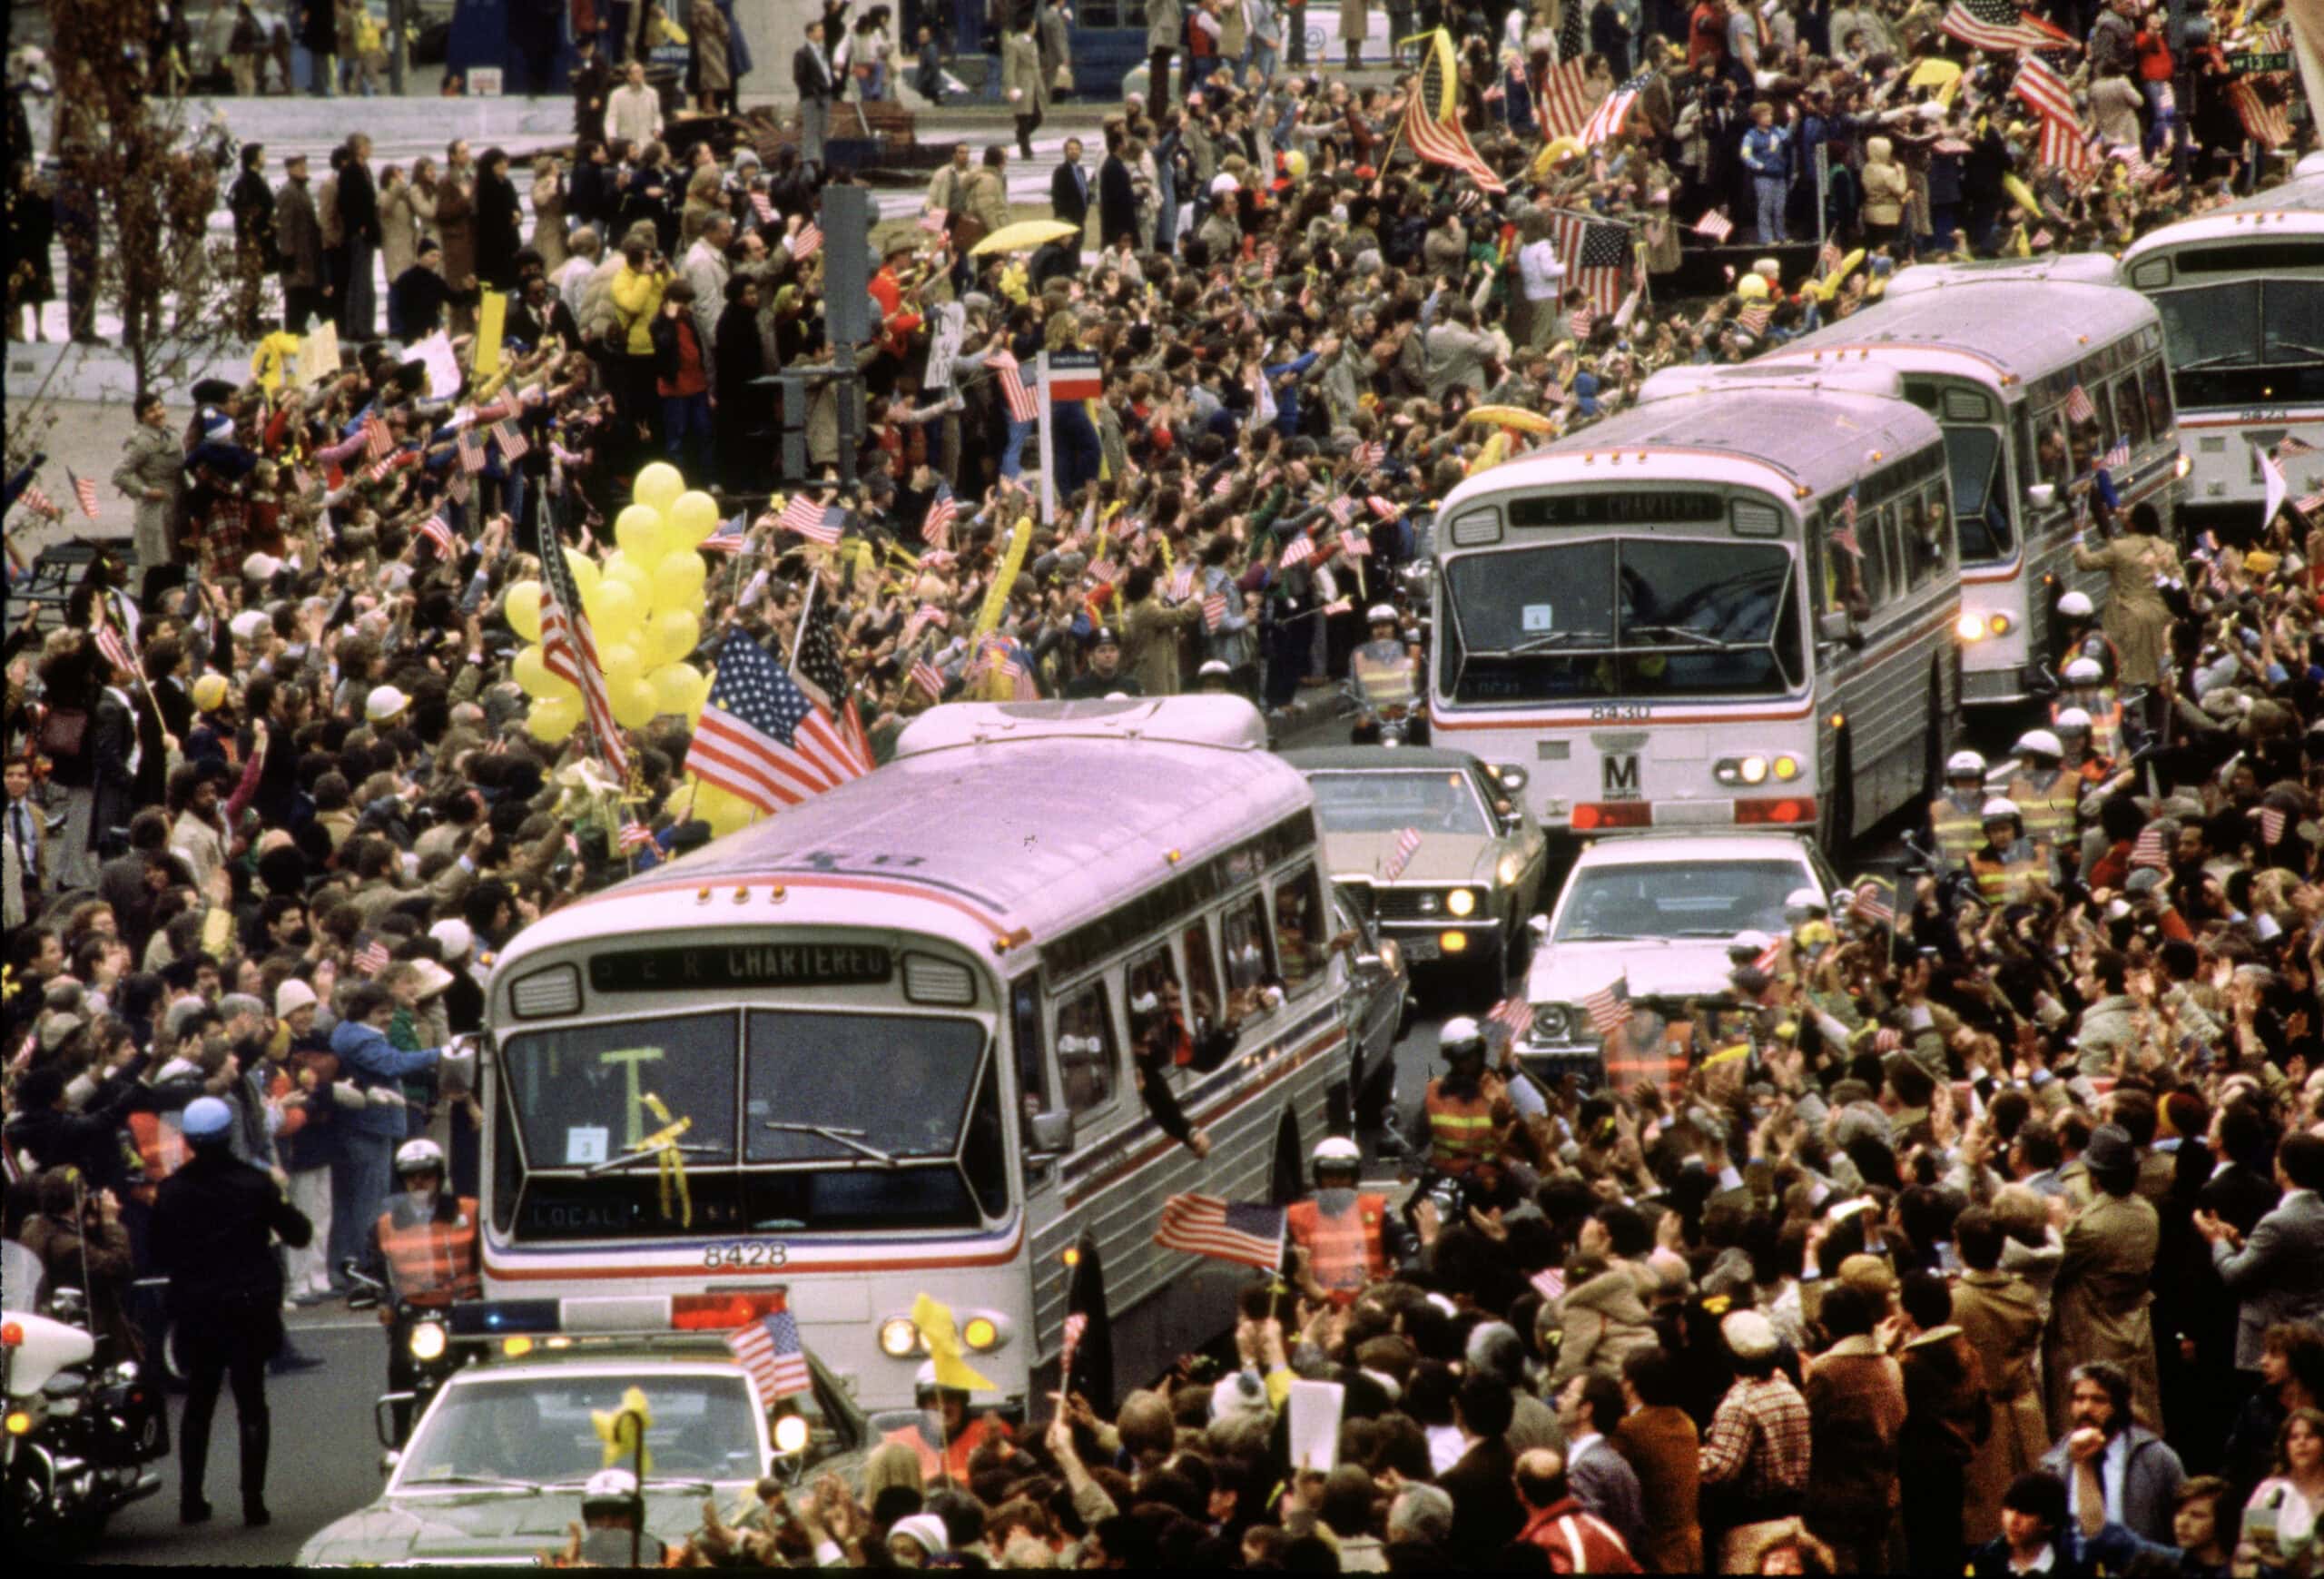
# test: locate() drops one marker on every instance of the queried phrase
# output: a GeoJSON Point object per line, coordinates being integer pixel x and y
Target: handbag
{"type": "Point", "coordinates": [1061, 80]}
{"type": "Point", "coordinates": [63, 731]}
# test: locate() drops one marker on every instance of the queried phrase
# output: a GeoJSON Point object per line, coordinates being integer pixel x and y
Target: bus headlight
{"type": "Point", "coordinates": [1999, 624]}
{"type": "Point", "coordinates": [1970, 626]}
{"type": "Point", "coordinates": [1508, 870]}
{"type": "Point", "coordinates": [2186, 466]}
{"type": "Point", "coordinates": [427, 1341]}
{"type": "Point", "coordinates": [898, 1337]}
{"type": "Point", "coordinates": [1741, 769]}
{"type": "Point", "coordinates": [980, 1333]}
{"type": "Point", "coordinates": [1460, 902]}
{"type": "Point", "coordinates": [791, 1433]}
{"type": "Point", "coordinates": [1786, 768]}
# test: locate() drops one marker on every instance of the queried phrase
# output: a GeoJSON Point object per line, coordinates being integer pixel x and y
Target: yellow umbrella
{"type": "Point", "coordinates": [1024, 236]}
{"type": "Point", "coordinates": [1516, 417]}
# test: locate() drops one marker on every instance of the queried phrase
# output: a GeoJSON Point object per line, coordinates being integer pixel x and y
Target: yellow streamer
{"type": "Point", "coordinates": [996, 599]}
{"type": "Point", "coordinates": [671, 1160]}
{"type": "Point", "coordinates": [621, 1430]}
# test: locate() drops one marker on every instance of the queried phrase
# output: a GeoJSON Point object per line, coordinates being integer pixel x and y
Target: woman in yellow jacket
{"type": "Point", "coordinates": [636, 290]}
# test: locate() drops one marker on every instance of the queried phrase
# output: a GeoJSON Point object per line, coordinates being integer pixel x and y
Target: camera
{"type": "Point", "coordinates": [1449, 1193]}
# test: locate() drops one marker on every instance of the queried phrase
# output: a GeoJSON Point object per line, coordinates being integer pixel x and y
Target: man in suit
{"type": "Point", "coordinates": [24, 841]}
{"type": "Point", "coordinates": [1070, 188]}
{"type": "Point", "coordinates": [1024, 84]}
{"type": "Point", "coordinates": [2278, 1269]}
{"type": "Point", "coordinates": [1591, 1410]}
{"type": "Point", "coordinates": [1116, 198]}
{"type": "Point", "coordinates": [298, 246]}
{"type": "Point", "coordinates": [358, 215]}
{"type": "Point", "coordinates": [2104, 1284]}
{"type": "Point", "coordinates": [1665, 1453]}
{"type": "Point", "coordinates": [1486, 1515]}
{"type": "Point", "coordinates": [810, 74]}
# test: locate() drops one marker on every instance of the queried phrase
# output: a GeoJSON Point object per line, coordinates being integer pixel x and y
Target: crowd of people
{"type": "Point", "coordinates": [2003, 1247]}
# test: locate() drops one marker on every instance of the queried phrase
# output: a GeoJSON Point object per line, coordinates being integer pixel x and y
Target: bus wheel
{"type": "Point", "coordinates": [1093, 1359]}
{"type": "Point", "coordinates": [1290, 1174]}
{"type": "Point", "coordinates": [1839, 804]}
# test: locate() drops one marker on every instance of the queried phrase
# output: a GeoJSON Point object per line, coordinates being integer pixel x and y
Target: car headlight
{"type": "Point", "coordinates": [427, 1341]}
{"type": "Point", "coordinates": [1548, 1022]}
{"type": "Point", "coordinates": [1507, 872]}
{"type": "Point", "coordinates": [898, 1337]}
{"type": "Point", "coordinates": [1460, 902]}
{"type": "Point", "coordinates": [1970, 626]}
{"type": "Point", "coordinates": [791, 1433]}
{"type": "Point", "coordinates": [1430, 904]}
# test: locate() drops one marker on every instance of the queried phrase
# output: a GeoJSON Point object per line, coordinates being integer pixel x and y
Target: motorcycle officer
{"type": "Point", "coordinates": [2048, 795]}
{"type": "Point", "coordinates": [1455, 1123]}
{"type": "Point", "coordinates": [1954, 816]}
{"type": "Point", "coordinates": [2086, 688]}
{"type": "Point", "coordinates": [425, 1242]}
{"type": "Point", "coordinates": [955, 1436]}
{"type": "Point", "coordinates": [215, 1221]}
{"type": "Point", "coordinates": [2008, 860]}
{"type": "Point", "coordinates": [1347, 1238]}
{"type": "Point", "coordinates": [1384, 669]}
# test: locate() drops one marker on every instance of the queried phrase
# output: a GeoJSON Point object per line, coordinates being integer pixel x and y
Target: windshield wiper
{"type": "Point", "coordinates": [1543, 643]}
{"type": "Point", "coordinates": [2224, 359]}
{"type": "Point", "coordinates": [1678, 633]}
{"type": "Point", "coordinates": [493, 1482]}
{"type": "Point", "coordinates": [851, 1138]}
{"type": "Point", "coordinates": [690, 1486]}
{"type": "Point", "coordinates": [644, 1153]}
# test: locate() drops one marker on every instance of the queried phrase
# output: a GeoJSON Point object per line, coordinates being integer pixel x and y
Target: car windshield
{"type": "Point", "coordinates": [1434, 802]}
{"type": "Point", "coordinates": [539, 1429]}
{"type": "Point", "coordinates": [1677, 899]}
{"type": "Point", "coordinates": [1627, 616]}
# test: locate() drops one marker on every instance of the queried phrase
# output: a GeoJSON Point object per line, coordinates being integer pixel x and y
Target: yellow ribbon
{"type": "Point", "coordinates": [622, 1430]}
{"type": "Point", "coordinates": [671, 1161]}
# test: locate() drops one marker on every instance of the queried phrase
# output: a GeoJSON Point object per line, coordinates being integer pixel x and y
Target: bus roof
{"type": "Point", "coordinates": [1995, 328]}
{"type": "Point", "coordinates": [971, 841]}
{"type": "Point", "coordinates": [2300, 202]}
{"type": "Point", "coordinates": [1773, 437]}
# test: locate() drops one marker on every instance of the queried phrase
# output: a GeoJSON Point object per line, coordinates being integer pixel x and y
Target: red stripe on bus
{"type": "Point", "coordinates": [692, 1268]}
{"type": "Point", "coordinates": [2187, 421]}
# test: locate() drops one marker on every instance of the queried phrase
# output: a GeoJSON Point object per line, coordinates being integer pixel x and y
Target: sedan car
{"type": "Point", "coordinates": [493, 1471]}
{"type": "Point", "coordinates": [1436, 847]}
{"type": "Point", "coordinates": [1656, 911]}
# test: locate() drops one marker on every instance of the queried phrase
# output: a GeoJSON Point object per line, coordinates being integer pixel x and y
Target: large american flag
{"type": "Point", "coordinates": [2264, 121]}
{"type": "Point", "coordinates": [1445, 143]}
{"type": "Point", "coordinates": [1022, 406]}
{"type": "Point", "coordinates": [1226, 1231]}
{"type": "Point", "coordinates": [1611, 116]}
{"type": "Point", "coordinates": [1609, 1008]}
{"type": "Point", "coordinates": [1596, 254]}
{"type": "Point", "coordinates": [1998, 28]}
{"type": "Point", "coordinates": [820, 673]}
{"type": "Point", "coordinates": [936, 526]}
{"type": "Point", "coordinates": [2040, 85]}
{"type": "Point", "coordinates": [764, 740]}
{"type": "Point", "coordinates": [770, 1350]}
{"type": "Point", "coordinates": [1565, 100]}
{"type": "Point", "coordinates": [569, 651]}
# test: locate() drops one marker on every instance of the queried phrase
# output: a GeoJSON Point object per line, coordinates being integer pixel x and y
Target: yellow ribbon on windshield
{"type": "Point", "coordinates": [622, 1431]}
{"type": "Point", "coordinates": [671, 1161]}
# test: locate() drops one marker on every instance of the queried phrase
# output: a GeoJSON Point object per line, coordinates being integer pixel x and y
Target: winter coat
{"type": "Point", "coordinates": [298, 236]}
{"type": "Point", "coordinates": [548, 222]}
{"type": "Point", "coordinates": [2151, 1477]}
{"type": "Point", "coordinates": [2001, 1316]}
{"type": "Point", "coordinates": [400, 230]}
{"type": "Point", "coordinates": [1884, 184]}
{"type": "Point", "coordinates": [714, 70]}
{"type": "Point", "coordinates": [1021, 81]}
{"type": "Point", "coordinates": [1604, 1318]}
{"type": "Point", "coordinates": [455, 226]}
{"type": "Point", "coordinates": [499, 230]}
{"type": "Point", "coordinates": [1855, 1409]}
{"type": "Point", "coordinates": [153, 458]}
{"type": "Point", "coordinates": [2104, 1291]}
{"type": "Point", "coordinates": [1165, 25]}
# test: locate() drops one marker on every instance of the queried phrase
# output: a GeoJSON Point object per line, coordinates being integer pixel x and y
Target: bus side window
{"type": "Point", "coordinates": [1881, 581]}
{"type": "Point", "coordinates": [1247, 955]}
{"type": "Point", "coordinates": [1025, 1030]}
{"type": "Point", "coordinates": [2129, 410]}
{"type": "Point", "coordinates": [1939, 546]}
{"type": "Point", "coordinates": [1206, 1005]}
{"type": "Point", "coordinates": [1302, 929]}
{"type": "Point", "coordinates": [2157, 383]}
{"type": "Point", "coordinates": [1088, 1069]}
{"type": "Point", "coordinates": [1155, 1005]}
{"type": "Point", "coordinates": [2054, 459]}
{"type": "Point", "coordinates": [1925, 535]}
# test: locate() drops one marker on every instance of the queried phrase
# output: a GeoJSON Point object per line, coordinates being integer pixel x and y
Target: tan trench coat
{"type": "Point", "coordinates": [2001, 1316]}
{"type": "Point", "coordinates": [2100, 1309]}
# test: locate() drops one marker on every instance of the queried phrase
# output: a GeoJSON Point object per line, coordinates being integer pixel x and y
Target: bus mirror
{"type": "Point", "coordinates": [1835, 625]}
{"type": "Point", "coordinates": [1053, 1132]}
{"type": "Point", "coordinates": [2042, 495]}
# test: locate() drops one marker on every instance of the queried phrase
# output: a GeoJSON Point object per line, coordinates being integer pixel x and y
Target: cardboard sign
{"type": "Point", "coordinates": [1314, 1427]}
{"type": "Point", "coordinates": [443, 366]}
{"type": "Point", "coordinates": [319, 355]}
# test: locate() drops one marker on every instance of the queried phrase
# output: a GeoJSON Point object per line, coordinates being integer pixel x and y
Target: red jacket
{"type": "Point", "coordinates": [1561, 1528]}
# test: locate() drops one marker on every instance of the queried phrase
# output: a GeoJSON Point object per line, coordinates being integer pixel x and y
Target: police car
{"type": "Point", "coordinates": [498, 1467]}
{"type": "Point", "coordinates": [1652, 915]}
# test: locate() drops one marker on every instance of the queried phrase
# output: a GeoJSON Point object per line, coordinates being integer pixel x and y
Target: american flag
{"type": "Point", "coordinates": [471, 450]}
{"type": "Point", "coordinates": [806, 515]}
{"type": "Point", "coordinates": [1516, 1013]}
{"type": "Point", "coordinates": [514, 445]}
{"type": "Point", "coordinates": [770, 1350]}
{"type": "Point", "coordinates": [729, 538]}
{"type": "Point", "coordinates": [1368, 457]}
{"type": "Point", "coordinates": [377, 440]}
{"type": "Point", "coordinates": [1268, 254]}
{"type": "Point", "coordinates": [1022, 406]}
{"type": "Point", "coordinates": [1341, 509]}
{"type": "Point", "coordinates": [37, 501]}
{"type": "Point", "coordinates": [1549, 1284]}
{"type": "Point", "coordinates": [2313, 506]}
{"type": "Point", "coordinates": [1565, 99]}
{"type": "Point", "coordinates": [1228, 1231]}
{"type": "Point", "coordinates": [1609, 1008]}
{"type": "Point", "coordinates": [1298, 551]}
{"type": "Point", "coordinates": [1355, 544]}
{"type": "Point", "coordinates": [2292, 444]}
{"type": "Point", "coordinates": [1998, 28]}
{"type": "Point", "coordinates": [1214, 611]}
{"type": "Point", "coordinates": [2039, 239]}
{"type": "Point", "coordinates": [2271, 827]}
{"type": "Point", "coordinates": [1384, 509]}
{"type": "Point", "coordinates": [1843, 536]}
{"type": "Point", "coordinates": [2265, 123]}
{"type": "Point", "coordinates": [807, 242]}
{"type": "Point", "coordinates": [1407, 846]}
{"type": "Point", "coordinates": [928, 679]}
{"type": "Point", "coordinates": [569, 651]}
{"type": "Point", "coordinates": [936, 526]}
{"type": "Point", "coordinates": [434, 530]}
{"type": "Point", "coordinates": [1182, 582]}
{"type": "Point", "coordinates": [84, 488]}
{"type": "Point", "coordinates": [2148, 850]}
{"type": "Point", "coordinates": [1104, 572]}
{"type": "Point", "coordinates": [1715, 224]}
{"type": "Point", "coordinates": [934, 221]}
{"type": "Point", "coordinates": [1609, 118]}
{"type": "Point", "coordinates": [2079, 406]}
{"type": "Point", "coordinates": [1597, 256]}
{"type": "Point", "coordinates": [119, 646]}
{"type": "Point", "coordinates": [372, 957]}
{"type": "Point", "coordinates": [926, 615]}
{"type": "Point", "coordinates": [1582, 321]}
{"type": "Point", "coordinates": [1753, 320]}
{"type": "Point", "coordinates": [764, 740]}
{"type": "Point", "coordinates": [1868, 904]}
{"type": "Point", "coordinates": [635, 835]}
{"type": "Point", "coordinates": [1573, 32]}
{"type": "Point", "coordinates": [1076, 1325]}
{"type": "Point", "coordinates": [2070, 147]}
{"type": "Point", "coordinates": [764, 207]}
{"type": "Point", "coordinates": [1445, 143]}
{"type": "Point", "coordinates": [458, 489]}
{"type": "Point", "coordinates": [2117, 458]}
{"type": "Point", "coordinates": [820, 673]}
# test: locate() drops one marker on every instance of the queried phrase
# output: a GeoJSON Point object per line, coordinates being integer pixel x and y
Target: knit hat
{"type": "Point", "coordinates": [454, 937]}
{"type": "Point", "coordinates": [925, 1528]}
{"type": "Point", "coordinates": [1749, 1334]}
{"type": "Point", "coordinates": [292, 996]}
{"type": "Point", "coordinates": [210, 691]}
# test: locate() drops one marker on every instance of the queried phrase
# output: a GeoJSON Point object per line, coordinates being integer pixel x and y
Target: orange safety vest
{"type": "Point", "coordinates": [954, 1460]}
{"type": "Point", "coordinates": [433, 1262]}
{"type": "Point", "coordinates": [1343, 1252]}
{"type": "Point", "coordinates": [1460, 1130]}
{"type": "Point", "coordinates": [161, 1150]}
{"type": "Point", "coordinates": [1628, 1066]}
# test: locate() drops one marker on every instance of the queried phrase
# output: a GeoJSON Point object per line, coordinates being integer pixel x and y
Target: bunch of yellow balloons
{"type": "Point", "coordinates": [644, 604]}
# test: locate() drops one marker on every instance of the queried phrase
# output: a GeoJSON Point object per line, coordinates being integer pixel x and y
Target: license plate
{"type": "Point", "coordinates": [1420, 949]}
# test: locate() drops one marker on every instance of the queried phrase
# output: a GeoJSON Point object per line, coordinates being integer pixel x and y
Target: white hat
{"type": "Point", "coordinates": [1806, 898]}
{"type": "Point", "coordinates": [292, 996]}
{"type": "Point", "coordinates": [925, 1528]}
{"type": "Point", "coordinates": [2075, 605]}
{"type": "Point", "coordinates": [249, 623]}
{"type": "Point", "coordinates": [1222, 184]}
{"type": "Point", "coordinates": [454, 937]}
{"type": "Point", "coordinates": [1962, 762]}
{"type": "Point", "coordinates": [2038, 742]}
{"type": "Point", "coordinates": [260, 567]}
{"type": "Point", "coordinates": [1214, 666]}
{"type": "Point", "coordinates": [2072, 718]}
{"type": "Point", "coordinates": [1748, 1334]}
{"type": "Point", "coordinates": [2084, 672]}
{"type": "Point", "coordinates": [1379, 613]}
{"type": "Point", "coordinates": [433, 977]}
{"type": "Point", "coordinates": [1750, 941]}
{"type": "Point", "coordinates": [384, 703]}
{"type": "Point", "coordinates": [1996, 809]}
{"type": "Point", "coordinates": [1336, 1149]}
{"type": "Point", "coordinates": [609, 1486]}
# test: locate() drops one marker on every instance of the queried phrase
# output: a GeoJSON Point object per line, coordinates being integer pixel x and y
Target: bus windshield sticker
{"type": "Point", "coordinates": [1538, 617]}
{"type": "Point", "coordinates": [585, 1144]}
{"type": "Point", "coordinates": [792, 964]}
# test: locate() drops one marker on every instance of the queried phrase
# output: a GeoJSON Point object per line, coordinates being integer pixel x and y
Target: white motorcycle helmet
{"type": "Point", "coordinates": [1460, 1035]}
{"type": "Point", "coordinates": [2076, 605]}
{"type": "Point", "coordinates": [2038, 742]}
{"type": "Point", "coordinates": [2084, 672]}
{"type": "Point", "coordinates": [423, 1156]}
{"type": "Point", "coordinates": [1968, 765]}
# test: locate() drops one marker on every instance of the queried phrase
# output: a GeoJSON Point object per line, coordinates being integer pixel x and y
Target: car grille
{"type": "Point", "coordinates": [1407, 903]}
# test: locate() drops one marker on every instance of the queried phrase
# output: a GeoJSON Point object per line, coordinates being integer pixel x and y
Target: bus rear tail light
{"type": "Point", "coordinates": [1591, 817]}
{"type": "Point", "coordinates": [1791, 809]}
{"type": "Point", "coordinates": [719, 1312]}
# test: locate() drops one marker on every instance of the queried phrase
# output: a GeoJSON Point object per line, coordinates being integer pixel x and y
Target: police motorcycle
{"type": "Point", "coordinates": [416, 1295]}
{"type": "Point", "coordinates": [82, 1423]}
{"type": "Point", "coordinates": [1383, 682]}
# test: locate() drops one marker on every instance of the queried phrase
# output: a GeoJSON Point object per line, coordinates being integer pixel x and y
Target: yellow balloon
{"type": "Point", "coordinates": [671, 635]}
{"type": "Point", "coordinates": [621, 567]}
{"type": "Point", "coordinates": [551, 720]}
{"type": "Point", "coordinates": [521, 607]}
{"type": "Point", "coordinates": [620, 663]}
{"type": "Point", "coordinates": [673, 687]}
{"type": "Point", "coordinates": [692, 518]}
{"type": "Point", "coordinates": [531, 671]}
{"type": "Point", "coordinates": [1296, 163]}
{"type": "Point", "coordinates": [1751, 288]}
{"type": "Point", "coordinates": [678, 580]}
{"type": "Point", "coordinates": [615, 612]}
{"type": "Point", "coordinates": [633, 701]}
{"type": "Point", "coordinates": [658, 486]}
{"type": "Point", "coordinates": [724, 812]}
{"type": "Point", "coordinates": [638, 529]}
{"type": "Point", "coordinates": [585, 571]}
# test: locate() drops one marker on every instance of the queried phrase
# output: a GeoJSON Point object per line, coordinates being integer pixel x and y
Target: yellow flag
{"type": "Point", "coordinates": [619, 1429]}
{"type": "Point", "coordinates": [936, 1326]}
{"type": "Point", "coordinates": [996, 599]}
{"type": "Point", "coordinates": [492, 317]}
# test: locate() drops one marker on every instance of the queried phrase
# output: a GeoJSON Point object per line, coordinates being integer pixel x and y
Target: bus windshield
{"type": "Point", "coordinates": [2246, 342]}
{"type": "Point", "coordinates": [1622, 616]}
{"type": "Point", "coordinates": [1980, 493]}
